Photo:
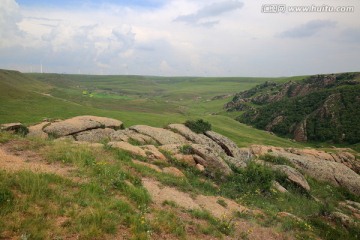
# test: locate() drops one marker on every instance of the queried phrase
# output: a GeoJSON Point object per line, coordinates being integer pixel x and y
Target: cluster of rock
{"type": "Point", "coordinates": [340, 168]}
{"type": "Point", "coordinates": [210, 152]}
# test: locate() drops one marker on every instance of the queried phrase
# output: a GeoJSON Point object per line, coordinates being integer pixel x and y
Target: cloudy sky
{"type": "Point", "coordinates": [177, 37]}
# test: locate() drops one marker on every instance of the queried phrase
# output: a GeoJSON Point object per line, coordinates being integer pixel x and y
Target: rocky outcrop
{"type": "Point", "coordinates": [320, 168]}
{"type": "Point", "coordinates": [128, 135]}
{"type": "Point", "coordinates": [95, 135]}
{"type": "Point", "coordinates": [230, 148]}
{"type": "Point", "coordinates": [318, 108]}
{"type": "Point", "coordinates": [210, 159]}
{"type": "Point", "coordinates": [80, 124]}
{"type": "Point", "coordinates": [128, 147]}
{"type": "Point", "coordinates": [194, 137]}
{"type": "Point", "coordinates": [293, 176]}
{"type": "Point", "coordinates": [162, 136]}
{"type": "Point", "coordinates": [153, 153]}
{"type": "Point", "coordinates": [10, 126]}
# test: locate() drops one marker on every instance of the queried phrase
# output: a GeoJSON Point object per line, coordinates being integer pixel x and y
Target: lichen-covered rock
{"type": "Point", "coordinates": [194, 137]}
{"type": "Point", "coordinates": [293, 175]}
{"type": "Point", "coordinates": [128, 147]}
{"type": "Point", "coordinates": [333, 172]}
{"type": "Point", "coordinates": [230, 148]}
{"type": "Point", "coordinates": [80, 124]}
{"type": "Point", "coordinates": [212, 161]}
{"type": "Point", "coordinates": [162, 136]}
{"type": "Point", "coordinates": [127, 135]}
{"type": "Point", "coordinates": [95, 135]}
{"type": "Point", "coordinates": [153, 153]}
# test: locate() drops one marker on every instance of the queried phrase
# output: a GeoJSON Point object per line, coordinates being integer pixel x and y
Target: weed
{"type": "Point", "coordinates": [134, 142]}
{"type": "Point", "coordinates": [169, 203]}
{"type": "Point", "coordinates": [6, 136]}
{"type": "Point", "coordinates": [224, 225]}
{"type": "Point", "coordinates": [276, 160]}
{"type": "Point", "coordinates": [222, 203]}
{"type": "Point", "coordinates": [168, 222]}
{"type": "Point", "coordinates": [186, 150]}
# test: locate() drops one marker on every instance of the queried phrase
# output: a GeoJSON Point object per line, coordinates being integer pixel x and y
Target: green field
{"type": "Point", "coordinates": [154, 101]}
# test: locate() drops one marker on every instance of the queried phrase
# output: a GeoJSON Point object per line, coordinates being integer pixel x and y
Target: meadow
{"type": "Point", "coordinates": [154, 101]}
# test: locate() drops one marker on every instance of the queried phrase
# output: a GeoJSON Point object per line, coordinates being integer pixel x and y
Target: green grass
{"type": "Point", "coordinates": [153, 101]}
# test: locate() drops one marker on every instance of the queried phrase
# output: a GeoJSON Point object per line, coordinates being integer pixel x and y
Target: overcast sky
{"type": "Point", "coordinates": [177, 37]}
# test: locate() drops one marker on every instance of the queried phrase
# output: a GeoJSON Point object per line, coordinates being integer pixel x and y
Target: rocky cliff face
{"type": "Point", "coordinates": [320, 108]}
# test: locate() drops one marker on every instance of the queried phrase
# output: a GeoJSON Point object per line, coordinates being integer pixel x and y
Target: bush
{"type": "Point", "coordinates": [198, 126]}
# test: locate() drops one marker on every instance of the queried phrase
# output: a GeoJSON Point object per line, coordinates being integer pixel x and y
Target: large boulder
{"type": "Point", "coordinates": [162, 136]}
{"type": "Point", "coordinates": [211, 160]}
{"type": "Point", "coordinates": [153, 153]}
{"type": "Point", "coordinates": [333, 172]}
{"type": "Point", "coordinates": [194, 137]}
{"type": "Point", "coordinates": [128, 135]}
{"type": "Point", "coordinates": [128, 147]}
{"type": "Point", "coordinates": [293, 176]}
{"type": "Point", "coordinates": [18, 128]}
{"type": "Point", "coordinates": [95, 135]}
{"type": "Point", "coordinates": [80, 124]}
{"type": "Point", "coordinates": [230, 148]}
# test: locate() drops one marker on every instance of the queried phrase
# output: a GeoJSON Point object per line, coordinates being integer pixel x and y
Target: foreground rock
{"type": "Point", "coordinates": [128, 147]}
{"type": "Point", "coordinates": [293, 175]}
{"type": "Point", "coordinates": [80, 124]}
{"type": "Point", "coordinates": [131, 135]}
{"type": "Point", "coordinates": [321, 169]}
{"type": "Point", "coordinates": [162, 136]}
{"type": "Point", "coordinates": [194, 137]}
{"type": "Point", "coordinates": [211, 160]}
{"type": "Point", "coordinates": [95, 135]}
{"type": "Point", "coordinates": [230, 148]}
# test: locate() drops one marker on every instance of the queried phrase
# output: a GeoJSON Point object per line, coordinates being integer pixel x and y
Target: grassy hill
{"type": "Point", "coordinates": [155, 101]}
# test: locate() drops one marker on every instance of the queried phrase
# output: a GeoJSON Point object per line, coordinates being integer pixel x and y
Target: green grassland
{"type": "Point", "coordinates": [154, 101]}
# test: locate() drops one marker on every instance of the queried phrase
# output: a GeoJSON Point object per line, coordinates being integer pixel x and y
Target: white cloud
{"type": "Point", "coordinates": [115, 39]}
{"type": "Point", "coordinates": [204, 15]}
{"type": "Point", "coordinates": [9, 18]}
{"type": "Point", "coordinates": [308, 29]}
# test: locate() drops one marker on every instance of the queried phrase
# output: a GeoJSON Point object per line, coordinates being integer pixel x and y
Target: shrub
{"type": "Point", "coordinates": [198, 126]}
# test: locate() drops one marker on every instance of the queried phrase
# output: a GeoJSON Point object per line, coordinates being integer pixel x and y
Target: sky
{"type": "Point", "coordinates": [178, 37]}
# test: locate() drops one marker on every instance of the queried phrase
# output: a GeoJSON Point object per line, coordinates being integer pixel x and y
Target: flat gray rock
{"type": "Point", "coordinates": [162, 136]}
{"type": "Point", "coordinates": [80, 124]}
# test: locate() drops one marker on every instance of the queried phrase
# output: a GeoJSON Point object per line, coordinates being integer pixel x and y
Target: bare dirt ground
{"type": "Point", "coordinates": [247, 229]}
{"type": "Point", "coordinates": [14, 160]}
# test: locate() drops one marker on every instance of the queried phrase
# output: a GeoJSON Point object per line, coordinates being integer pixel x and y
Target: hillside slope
{"type": "Point", "coordinates": [318, 108]}
{"type": "Point", "coordinates": [29, 98]}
